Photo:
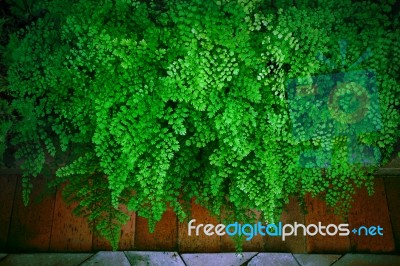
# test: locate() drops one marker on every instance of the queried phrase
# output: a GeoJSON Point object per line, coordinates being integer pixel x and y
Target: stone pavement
{"type": "Point", "coordinates": [142, 258]}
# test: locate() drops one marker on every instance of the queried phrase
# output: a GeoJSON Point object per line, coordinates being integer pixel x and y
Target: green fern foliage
{"type": "Point", "coordinates": [90, 189]}
{"type": "Point", "coordinates": [152, 103]}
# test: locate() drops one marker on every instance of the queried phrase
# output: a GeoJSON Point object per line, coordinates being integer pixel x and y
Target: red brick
{"type": "Point", "coordinates": [69, 232]}
{"type": "Point", "coordinates": [30, 228]}
{"type": "Point", "coordinates": [7, 185]}
{"type": "Point", "coordinates": [255, 244]}
{"type": "Point", "coordinates": [317, 211]}
{"type": "Point", "coordinates": [294, 244]}
{"type": "Point", "coordinates": [127, 237]}
{"type": "Point", "coordinates": [164, 237]}
{"type": "Point", "coordinates": [371, 211]}
{"type": "Point", "coordinates": [202, 242]}
{"type": "Point", "coordinates": [392, 187]}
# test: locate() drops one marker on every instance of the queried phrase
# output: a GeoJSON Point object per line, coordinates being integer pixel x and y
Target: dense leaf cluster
{"type": "Point", "coordinates": [151, 103]}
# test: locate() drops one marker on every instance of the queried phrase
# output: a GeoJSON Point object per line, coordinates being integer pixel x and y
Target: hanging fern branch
{"type": "Point", "coordinates": [90, 189]}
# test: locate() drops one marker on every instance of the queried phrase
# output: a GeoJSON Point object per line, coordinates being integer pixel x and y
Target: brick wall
{"type": "Point", "coordinates": [50, 226]}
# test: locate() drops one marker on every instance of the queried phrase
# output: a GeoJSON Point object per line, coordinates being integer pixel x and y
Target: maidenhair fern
{"type": "Point", "coordinates": [151, 103]}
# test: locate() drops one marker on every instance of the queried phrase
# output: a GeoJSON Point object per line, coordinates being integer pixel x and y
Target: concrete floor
{"type": "Point", "coordinates": [195, 259]}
